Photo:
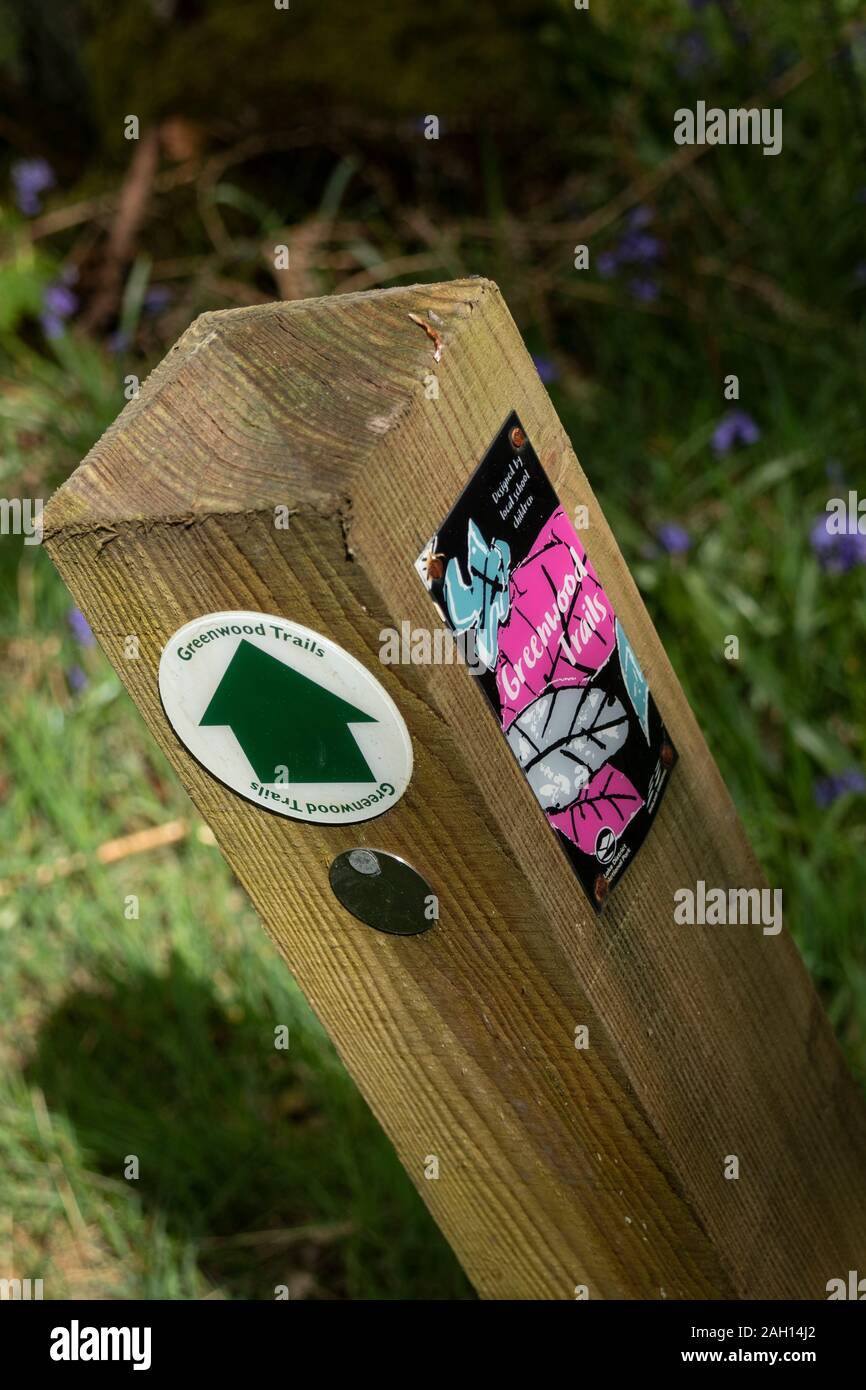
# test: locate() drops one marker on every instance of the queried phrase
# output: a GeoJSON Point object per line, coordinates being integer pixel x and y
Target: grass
{"type": "Point", "coordinates": [153, 1036]}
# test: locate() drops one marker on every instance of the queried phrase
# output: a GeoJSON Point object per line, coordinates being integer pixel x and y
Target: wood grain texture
{"type": "Point", "coordinates": [558, 1166]}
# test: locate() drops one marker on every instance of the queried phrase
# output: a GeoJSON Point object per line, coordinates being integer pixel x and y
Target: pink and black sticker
{"type": "Point", "coordinates": [511, 577]}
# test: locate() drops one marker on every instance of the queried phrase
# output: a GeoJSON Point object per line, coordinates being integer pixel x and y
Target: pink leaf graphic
{"type": "Point", "coordinates": [608, 802]}
{"type": "Point", "coordinates": [560, 628]}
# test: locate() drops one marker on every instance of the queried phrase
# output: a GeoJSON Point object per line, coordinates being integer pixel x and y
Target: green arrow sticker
{"type": "Point", "coordinates": [282, 719]}
{"type": "Point", "coordinates": [285, 717]}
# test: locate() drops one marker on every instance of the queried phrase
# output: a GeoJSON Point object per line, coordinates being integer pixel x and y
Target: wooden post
{"type": "Point", "coordinates": [559, 1167]}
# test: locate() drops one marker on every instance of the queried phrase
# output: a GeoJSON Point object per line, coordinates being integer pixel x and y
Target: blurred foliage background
{"type": "Point", "coordinates": [308, 127]}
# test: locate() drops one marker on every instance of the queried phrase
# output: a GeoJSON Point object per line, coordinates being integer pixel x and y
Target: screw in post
{"type": "Point", "coordinates": [363, 861]}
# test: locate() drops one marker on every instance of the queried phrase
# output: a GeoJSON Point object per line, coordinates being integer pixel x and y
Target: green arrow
{"type": "Point", "coordinates": [283, 719]}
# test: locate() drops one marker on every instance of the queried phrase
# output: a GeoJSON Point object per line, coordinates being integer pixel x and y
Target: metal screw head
{"type": "Point", "coordinates": [435, 566]}
{"type": "Point", "coordinates": [382, 891]}
{"type": "Point", "coordinates": [364, 861]}
{"type": "Point", "coordinates": [517, 437]}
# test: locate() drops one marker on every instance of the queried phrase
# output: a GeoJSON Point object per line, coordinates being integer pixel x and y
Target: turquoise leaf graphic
{"type": "Point", "coordinates": [483, 602]}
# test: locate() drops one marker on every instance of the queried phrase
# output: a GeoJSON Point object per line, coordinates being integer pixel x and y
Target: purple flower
{"type": "Point", "coordinates": [547, 370]}
{"type": "Point", "coordinates": [673, 539]}
{"type": "Point", "coordinates": [694, 53]}
{"type": "Point", "coordinates": [58, 304]}
{"type": "Point", "coordinates": [644, 290]}
{"type": "Point", "coordinates": [76, 678]}
{"type": "Point", "coordinates": [30, 179]}
{"type": "Point", "coordinates": [158, 297]}
{"type": "Point", "coordinates": [118, 341]}
{"type": "Point", "coordinates": [837, 553]}
{"type": "Point", "coordinates": [52, 326]}
{"type": "Point", "coordinates": [640, 216]}
{"type": "Point", "coordinates": [829, 789]}
{"type": "Point", "coordinates": [81, 629]}
{"type": "Point", "coordinates": [640, 247]}
{"type": "Point", "coordinates": [60, 301]}
{"type": "Point", "coordinates": [635, 246]}
{"type": "Point", "coordinates": [734, 428]}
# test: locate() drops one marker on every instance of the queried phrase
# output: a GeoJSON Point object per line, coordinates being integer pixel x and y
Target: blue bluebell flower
{"type": "Point", "coordinates": [547, 370]}
{"type": "Point", "coordinates": [673, 539]}
{"type": "Point", "coordinates": [734, 428]}
{"type": "Point", "coordinates": [158, 297]}
{"type": "Point", "coordinates": [58, 304]}
{"type": "Point", "coordinates": [837, 553]}
{"type": "Point", "coordinates": [829, 789]}
{"type": "Point", "coordinates": [30, 179]}
{"type": "Point", "coordinates": [644, 290]}
{"type": "Point", "coordinates": [77, 679]}
{"type": "Point", "coordinates": [81, 629]}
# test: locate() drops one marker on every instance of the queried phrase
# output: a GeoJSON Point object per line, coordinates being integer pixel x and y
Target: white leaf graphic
{"type": "Point", "coordinates": [563, 738]}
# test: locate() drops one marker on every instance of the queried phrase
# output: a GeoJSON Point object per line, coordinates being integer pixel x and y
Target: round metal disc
{"type": "Point", "coordinates": [382, 891]}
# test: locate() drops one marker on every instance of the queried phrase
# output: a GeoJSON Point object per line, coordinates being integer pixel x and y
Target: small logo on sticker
{"type": "Point", "coordinates": [605, 846]}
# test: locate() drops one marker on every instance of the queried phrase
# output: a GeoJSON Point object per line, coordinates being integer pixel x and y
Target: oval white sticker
{"type": "Point", "coordinates": [285, 717]}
